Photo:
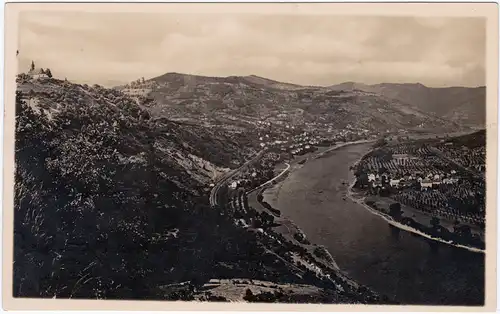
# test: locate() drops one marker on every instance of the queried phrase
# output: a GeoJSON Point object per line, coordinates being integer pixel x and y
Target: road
{"type": "Point", "coordinates": [226, 177]}
{"type": "Point", "coordinates": [276, 177]}
{"type": "Point", "coordinates": [252, 195]}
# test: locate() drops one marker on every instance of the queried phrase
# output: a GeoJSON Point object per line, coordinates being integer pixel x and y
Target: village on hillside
{"type": "Point", "coordinates": [442, 180]}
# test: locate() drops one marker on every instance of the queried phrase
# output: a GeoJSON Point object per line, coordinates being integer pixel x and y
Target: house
{"type": "Point", "coordinates": [407, 183]}
{"type": "Point", "coordinates": [425, 184]}
{"type": "Point", "coordinates": [394, 182]}
{"type": "Point", "coordinates": [408, 177]}
{"type": "Point", "coordinates": [371, 177]}
{"type": "Point", "coordinates": [38, 74]}
{"type": "Point", "coordinates": [450, 180]}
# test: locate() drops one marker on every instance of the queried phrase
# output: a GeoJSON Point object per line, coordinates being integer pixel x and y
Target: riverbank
{"type": "Point", "coordinates": [325, 262]}
{"type": "Point", "coordinates": [270, 195]}
{"type": "Point", "coordinates": [404, 266]}
{"type": "Point", "coordinates": [316, 258]}
{"type": "Point", "coordinates": [415, 229]}
{"type": "Point", "coordinates": [414, 226]}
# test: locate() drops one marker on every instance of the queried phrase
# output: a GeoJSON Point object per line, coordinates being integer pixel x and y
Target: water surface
{"type": "Point", "coordinates": [410, 268]}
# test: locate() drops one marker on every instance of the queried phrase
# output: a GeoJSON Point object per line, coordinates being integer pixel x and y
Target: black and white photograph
{"type": "Point", "coordinates": [244, 156]}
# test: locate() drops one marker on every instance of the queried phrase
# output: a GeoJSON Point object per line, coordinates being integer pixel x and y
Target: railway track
{"type": "Point", "coordinates": [215, 190]}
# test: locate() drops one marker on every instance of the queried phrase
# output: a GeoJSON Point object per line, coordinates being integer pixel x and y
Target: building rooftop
{"type": "Point", "coordinates": [36, 72]}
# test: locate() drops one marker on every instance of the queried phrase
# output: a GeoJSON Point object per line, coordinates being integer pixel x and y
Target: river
{"type": "Point", "coordinates": [407, 267]}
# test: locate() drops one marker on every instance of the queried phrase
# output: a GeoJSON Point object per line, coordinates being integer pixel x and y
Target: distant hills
{"type": "Point", "coordinates": [464, 105]}
{"type": "Point", "coordinates": [252, 80]}
{"type": "Point", "coordinates": [372, 107]}
{"type": "Point", "coordinates": [257, 95]}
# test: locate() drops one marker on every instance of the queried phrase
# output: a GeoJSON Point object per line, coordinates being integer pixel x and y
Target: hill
{"type": "Point", "coordinates": [252, 98]}
{"type": "Point", "coordinates": [112, 203]}
{"type": "Point", "coordinates": [473, 140]}
{"type": "Point", "coordinates": [463, 105]}
{"type": "Point", "coordinates": [272, 83]}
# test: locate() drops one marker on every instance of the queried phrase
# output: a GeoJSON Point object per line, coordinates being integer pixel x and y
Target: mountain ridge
{"type": "Point", "coordinates": [253, 97]}
{"type": "Point", "coordinates": [462, 105]}
{"type": "Point", "coordinates": [310, 85]}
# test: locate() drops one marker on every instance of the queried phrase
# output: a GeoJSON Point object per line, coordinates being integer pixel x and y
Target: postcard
{"type": "Point", "coordinates": [251, 156]}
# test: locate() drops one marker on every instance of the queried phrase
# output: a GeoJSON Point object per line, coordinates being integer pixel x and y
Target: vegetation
{"type": "Point", "coordinates": [395, 211]}
{"type": "Point", "coordinates": [108, 207]}
{"type": "Point", "coordinates": [102, 210]}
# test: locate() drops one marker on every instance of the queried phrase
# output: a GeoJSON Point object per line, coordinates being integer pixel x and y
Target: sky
{"type": "Point", "coordinates": [115, 48]}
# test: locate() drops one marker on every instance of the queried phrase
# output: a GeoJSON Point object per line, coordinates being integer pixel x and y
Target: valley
{"type": "Point", "coordinates": [138, 181]}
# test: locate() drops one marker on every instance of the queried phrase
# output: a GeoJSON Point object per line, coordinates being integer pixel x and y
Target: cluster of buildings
{"type": "Point", "coordinates": [428, 181]}
{"type": "Point", "coordinates": [413, 175]}
{"type": "Point", "coordinates": [34, 74]}
{"type": "Point", "coordinates": [295, 144]}
{"type": "Point", "coordinates": [38, 74]}
{"type": "Point", "coordinates": [139, 87]}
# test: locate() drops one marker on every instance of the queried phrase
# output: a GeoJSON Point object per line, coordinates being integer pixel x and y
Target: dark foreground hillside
{"type": "Point", "coordinates": [111, 204]}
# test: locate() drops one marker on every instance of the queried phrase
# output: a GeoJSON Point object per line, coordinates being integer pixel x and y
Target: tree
{"type": "Point", "coordinates": [434, 222]}
{"type": "Point", "coordinates": [49, 74]}
{"type": "Point", "coordinates": [32, 66]}
{"type": "Point", "coordinates": [268, 219]}
{"type": "Point", "coordinates": [395, 210]}
{"type": "Point", "coordinates": [19, 102]}
{"type": "Point", "coordinates": [362, 180]}
{"type": "Point", "coordinates": [381, 142]}
{"type": "Point", "coordinates": [464, 231]}
{"type": "Point", "coordinates": [248, 294]}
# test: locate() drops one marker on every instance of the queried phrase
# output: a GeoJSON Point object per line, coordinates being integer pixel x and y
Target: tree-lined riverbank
{"type": "Point", "coordinates": [400, 264]}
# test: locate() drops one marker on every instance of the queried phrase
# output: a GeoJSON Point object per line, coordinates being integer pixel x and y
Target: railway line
{"type": "Point", "coordinates": [215, 190]}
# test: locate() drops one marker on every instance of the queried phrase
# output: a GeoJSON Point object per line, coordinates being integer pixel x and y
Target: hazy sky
{"type": "Point", "coordinates": [111, 49]}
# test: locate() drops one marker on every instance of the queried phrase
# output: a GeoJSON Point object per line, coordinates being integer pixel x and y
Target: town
{"type": "Point", "coordinates": [433, 177]}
